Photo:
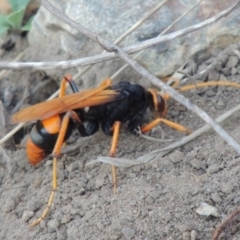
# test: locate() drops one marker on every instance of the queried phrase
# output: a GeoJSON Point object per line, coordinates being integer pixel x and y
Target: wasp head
{"type": "Point", "coordinates": [157, 104]}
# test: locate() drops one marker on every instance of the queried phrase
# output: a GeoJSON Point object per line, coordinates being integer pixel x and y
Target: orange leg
{"type": "Point", "coordinates": [116, 130]}
{"type": "Point", "coordinates": [201, 85]}
{"type": "Point", "coordinates": [55, 153]}
{"type": "Point", "coordinates": [209, 84]}
{"type": "Point", "coordinates": [64, 85]}
{"type": "Point", "coordinates": [157, 121]}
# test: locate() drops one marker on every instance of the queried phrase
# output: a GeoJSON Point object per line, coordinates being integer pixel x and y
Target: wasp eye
{"type": "Point", "coordinates": [160, 104]}
{"type": "Point", "coordinates": [157, 104]}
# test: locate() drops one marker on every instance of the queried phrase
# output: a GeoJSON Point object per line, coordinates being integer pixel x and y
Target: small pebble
{"type": "Point", "coordinates": [216, 197]}
{"type": "Point", "coordinates": [66, 218]}
{"type": "Point", "coordinates": [128, 233]}
{"type": "Point", "coordinates": [99, 182]}
{"type": "Point", "coordinates": [227, 188]}
{"type": "Point", "coordinates": [73, 166]}
{"type": "Point", "coordinates": [186, 236]}
{"type": "Point", "coordinates": [234, 71]}
{"type": "Point", "coordinates": [213, 75]}
{"type": "Point", "coordinates": [184, 228]}
{"type": "Point", "coordinates": [226, 71]}
{"type": "Point", "coordinates": [232, 62]}
{"type": "Point", "coordinates": [196, 163]}
{"type": "Point", "coordinates": [213, 168]}
{"type": "Point", "coordinates": [222, 78]}
{"type": "Point", "coordinates": [9, 205]}
{"type": "Point", "coordinates": [27, 215]}
{"type": "Point", "coordinates": [149, 200]}
{"type": "Point", "coordinates": [52, 225]}
{"type": "Point", "coordinates": [176, 157]}
{"type": "Point", "coordinates": [193, 235]}
{"type": "Point", "coordinates": [236, 200]}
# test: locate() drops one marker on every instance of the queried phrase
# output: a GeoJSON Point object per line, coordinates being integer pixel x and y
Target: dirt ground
{"type": "Point", "coordinates": [153, 201]}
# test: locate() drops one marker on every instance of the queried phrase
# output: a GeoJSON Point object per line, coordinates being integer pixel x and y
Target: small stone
{"type": "Point", "coordinates": [210, 93]}
{"type": "Point", "coordinates": [193, 235]}
{"type": "Point", "coordinates": [213, 75]}
{"type": "Point", "coordinates": [184, 228]}
{"type": "Point", "coordinates": [9, 205]}
{"type": "Point", "coordinates": [99, 182]}
{"type": "Point", "coordinates": [176, 157]}
{"type": "Point", "coordinates": [27, 215]}
{"type": "Point", "coordinates": [232, 62]}
{"type": "Point", "coordinates": [234, 71]}
{"type": "Point", "coordinates": [186, 236]}
{"type": "Point", "coordinates": [224, 58]}
{"type": "Point", "coordinates": [66, 218]}
{"type": "Point", "coordinates": [227, 188]}
{"type": "Point", "coordinates": [73, 166]}
{"type": "Point", "coordinates": [128, 233]}
{"type": "Point", "coordinates": [218, 66]}
{"type": "Point", "coordinates": [236, 200]}
{"type": "Point", "coordinates": [216, 197]}
{"type": "Point", "coordinates": [149, 200]}
{"type": "Point", "coordinates": [222, 78]}
{"type": "Point", "coordinates": [207, 210]}
{"type": "Point", "coordinates": [213, 168]}
{"type": "Point", "coordinates": [52, 225]}
{"type": "Point", "coordinates": [220, 103]}
{"type": "Point", "coordinates": [196, 163]}
{"type": "Point", "coordinates": [226, 71]}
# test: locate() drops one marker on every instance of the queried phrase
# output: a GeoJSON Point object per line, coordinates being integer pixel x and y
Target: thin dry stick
{"type": "Point", "coordinates": [204, 72]}
{"type": "Point", "coordinates": [124, 35]}
{"type": "Point", "coordinates": [163, 32]}
{"type": "Point", "coordinates": [224, 224]}
{"type": "Point", "coordinates": [4, 73]}
{"type": "Point", "coordinates": [108, 56]}
{"type": "Point", "coordinates": [13, 131]}
{"type": "Point", "coordinates": [157, 154]}
{"type": "Point", "coordinates": [178, 97]}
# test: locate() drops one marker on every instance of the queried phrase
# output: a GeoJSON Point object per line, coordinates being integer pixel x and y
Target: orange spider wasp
{"type": "Point", "coordinates": [108, 105]}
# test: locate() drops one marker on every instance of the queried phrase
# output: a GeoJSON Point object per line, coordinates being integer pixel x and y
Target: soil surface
{"type": "Point", "coordinates": [153, 201]}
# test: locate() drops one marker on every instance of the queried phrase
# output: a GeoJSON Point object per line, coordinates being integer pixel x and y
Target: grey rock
{"type": "Point", "coordinates": [112, 20]}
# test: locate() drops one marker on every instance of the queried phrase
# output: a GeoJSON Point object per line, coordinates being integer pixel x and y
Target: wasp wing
{"type": "Point", "coordinates": [63, 104]}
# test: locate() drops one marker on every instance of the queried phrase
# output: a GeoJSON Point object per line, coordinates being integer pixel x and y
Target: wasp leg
{"type": "Point", "coordinates": [171, 124]}
{"type": "Point", "coordinates": [116, 130]}
{"type": "Point", "coordinates": [106, 83]}
{"type": "Point", "coordinates": [209, 84]}
{"type": "Point", "coordinates": [55, 153]}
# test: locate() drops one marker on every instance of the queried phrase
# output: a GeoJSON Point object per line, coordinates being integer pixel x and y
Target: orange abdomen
{"type": "Point", "coordinates": [34, 153]}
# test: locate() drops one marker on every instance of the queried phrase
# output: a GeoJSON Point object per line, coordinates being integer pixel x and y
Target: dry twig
{"type": "Point", "coordinates": [225, 223]}
{"type": "Point", "coordinates": [108, 56]}
{"type": "Point", "coordinates": [157, 154]}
